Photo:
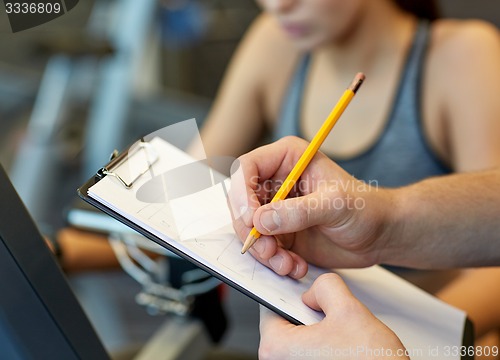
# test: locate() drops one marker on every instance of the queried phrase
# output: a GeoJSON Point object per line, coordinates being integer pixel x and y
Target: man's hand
{"type": "Point", "coordinates": [348, 331]}
{"type": "Point", "coordinates": [330, 219]}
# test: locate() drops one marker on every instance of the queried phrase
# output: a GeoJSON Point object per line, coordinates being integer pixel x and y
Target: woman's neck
{"type": "Point", "coordinates": [380, 31]}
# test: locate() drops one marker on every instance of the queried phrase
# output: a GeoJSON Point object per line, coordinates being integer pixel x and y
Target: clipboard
{"type": "Point", "coordinates": [386, 295]}
{"type": "Point", "coordinates": [108, 170]}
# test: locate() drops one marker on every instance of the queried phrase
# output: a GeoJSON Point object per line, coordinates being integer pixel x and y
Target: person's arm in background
{"type": "Point", "coordinates": [79, 250]}
{"type": "Point", "coordinates": [251, 89]}
{"type": "Point", "coordinates": [479, 293]}
{"type": "Point", "coordinates": [85, 251]}
{"type": "Point", "coordinates": [438, 223]}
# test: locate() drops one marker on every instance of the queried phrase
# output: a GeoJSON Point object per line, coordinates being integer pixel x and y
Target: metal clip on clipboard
{"type": "Point", "coordinates": [118, 159]}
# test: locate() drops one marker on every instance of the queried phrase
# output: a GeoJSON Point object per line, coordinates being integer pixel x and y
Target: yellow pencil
{"type": "Point", "coordinates": [310, 151]}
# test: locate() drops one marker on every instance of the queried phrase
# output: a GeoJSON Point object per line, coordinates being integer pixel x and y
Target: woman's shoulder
{"type": "Point", "coordinates": [460, 40]}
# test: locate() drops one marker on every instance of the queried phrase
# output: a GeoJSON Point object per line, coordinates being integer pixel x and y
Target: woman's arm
{"type": "Point", "coordinates": [477, 293]}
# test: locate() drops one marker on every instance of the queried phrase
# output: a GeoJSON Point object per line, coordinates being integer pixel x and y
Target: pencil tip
{"type": "Point", "coordinates": [250, 240]}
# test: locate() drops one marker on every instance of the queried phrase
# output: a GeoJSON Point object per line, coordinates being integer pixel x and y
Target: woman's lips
{"type": "Point", "coordinates": [294, 30]}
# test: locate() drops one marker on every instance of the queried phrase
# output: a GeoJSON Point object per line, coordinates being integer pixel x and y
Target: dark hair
{"type": "Point", "coordinates": [425, 9]}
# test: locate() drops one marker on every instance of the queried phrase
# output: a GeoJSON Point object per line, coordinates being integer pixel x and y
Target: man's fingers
{"type": "Point", "coordinates": [281, 262]}
{"type": "Point", "coordinates": [264, 248]}
{"type": "Point", "coordinates": [284, 262]}
{"type": "Point", "coordinates": [300, 267]}
{"type": "Point", "coordinates": [329, 294]}
{"type": "Point", "coordinates": [294, 214]}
